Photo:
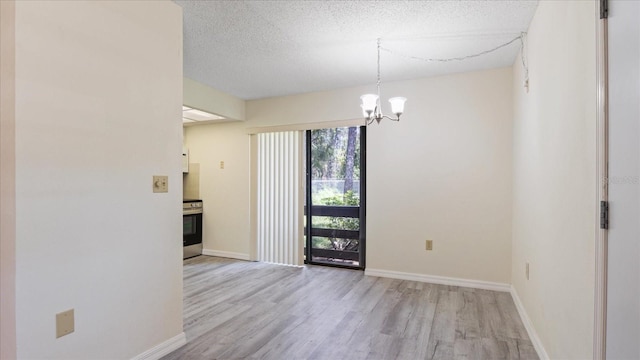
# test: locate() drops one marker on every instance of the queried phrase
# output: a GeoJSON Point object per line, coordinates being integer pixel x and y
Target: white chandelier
{"type": "Point", "coordinates": [371, 108]}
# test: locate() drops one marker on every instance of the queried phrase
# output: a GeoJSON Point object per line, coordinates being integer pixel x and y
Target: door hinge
{"type": "Point", "coordinates": [604, 214]}
{"type": "Point", "coordinates": [604, 9]}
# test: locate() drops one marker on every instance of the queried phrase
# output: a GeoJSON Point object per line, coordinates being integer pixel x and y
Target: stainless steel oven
{"type": "Point", "coordinates": [191, 228]}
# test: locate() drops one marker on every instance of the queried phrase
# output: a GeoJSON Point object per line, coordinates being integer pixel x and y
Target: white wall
{"type": "Point", "coordinates": [554, 177]}
{"type": "Point", "coordinates": [7, 182]}
{"type": "Point", "coordinates": [443, 173]}
{"type": "Point", "coordinates": [225, 192]}
{"type": "Point", "coordinates": [98, 95]}
{"type": "Point", "coordinates": [206, 98]}
{"type": "Point", "coordinates": [623, 298]}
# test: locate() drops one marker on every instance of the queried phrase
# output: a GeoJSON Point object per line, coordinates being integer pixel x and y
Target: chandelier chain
{"type": "Point", "coordinates": [378, 83]}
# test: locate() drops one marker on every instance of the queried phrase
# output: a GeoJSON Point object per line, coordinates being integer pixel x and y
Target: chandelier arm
{"type": "Point", "coordinates": [390, 118]}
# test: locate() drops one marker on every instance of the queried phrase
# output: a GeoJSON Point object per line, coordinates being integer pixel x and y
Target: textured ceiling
{"type": "Point", "coordinates": [258, 49]}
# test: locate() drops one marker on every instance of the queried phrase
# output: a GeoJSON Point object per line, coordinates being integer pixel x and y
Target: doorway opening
{"type": "Point", "coordinates": [335, 200]}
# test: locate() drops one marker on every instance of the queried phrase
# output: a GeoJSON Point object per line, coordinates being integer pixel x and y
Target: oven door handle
{"type": "Point", "coordinates": [191, 212]}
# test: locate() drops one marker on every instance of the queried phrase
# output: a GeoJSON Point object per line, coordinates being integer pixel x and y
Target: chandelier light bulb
{"type": "Point", "coordinates": [364, 112]}
{"type": "Point", "coordinates": [397, 105]}
{"type": "Point", "coordinates": [369, 103]}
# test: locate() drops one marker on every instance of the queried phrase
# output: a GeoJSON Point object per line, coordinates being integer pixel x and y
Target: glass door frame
{"type": "Point", "coordinates": [362, 208]}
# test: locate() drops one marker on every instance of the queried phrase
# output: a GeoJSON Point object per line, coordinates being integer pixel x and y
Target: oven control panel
{"type": "Point", "coordinates": [191, 207]}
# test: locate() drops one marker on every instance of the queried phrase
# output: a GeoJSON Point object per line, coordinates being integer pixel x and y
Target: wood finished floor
{"type": "Point", "coordinates": [247, 310]}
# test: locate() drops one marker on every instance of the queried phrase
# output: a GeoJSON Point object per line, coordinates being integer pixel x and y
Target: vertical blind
{"type": "Point", "coordinates": [279, 225]}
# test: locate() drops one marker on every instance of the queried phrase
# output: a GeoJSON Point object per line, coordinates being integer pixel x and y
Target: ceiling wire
{"type": "Point", "coordinates": [522, 38]}
{"type": "Point", "coordinates": [460, 58]}
{"type": "Point", "coordinates": [525, 61]}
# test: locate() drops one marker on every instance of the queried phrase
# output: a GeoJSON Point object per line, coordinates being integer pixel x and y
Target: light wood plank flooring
{"type": "Point", "coordinates": [248, 310]}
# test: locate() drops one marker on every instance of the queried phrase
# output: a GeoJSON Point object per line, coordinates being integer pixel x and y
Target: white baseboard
{"type": "Point", "coordinates": [442, 280]}
{"type": "Point", "coordinates": [163, 348]}
{"type": "Point", "coordinates": [281, 264]}
{"type": "Point", "coordinates": [533, 335]}
{"type": "Point", "coordinates": [226, 254]}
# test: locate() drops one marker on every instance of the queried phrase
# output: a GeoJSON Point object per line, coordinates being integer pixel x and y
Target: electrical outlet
{"type": "Point", "coordinates": [160, 184]}
{"type": "Point", "coordinates": [429, 245]}
{"type": "Point", "coordinates": [526, 270]}
{"type": "Point", "coordinates": [65, 323]}
{"type": "Point", "coordinates": [221, 164]}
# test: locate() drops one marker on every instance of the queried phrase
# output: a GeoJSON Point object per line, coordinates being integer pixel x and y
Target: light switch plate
{"type": "Point", "coordinates": [160, 184]}
{"type": "Point", "coordinates": [429, 245]}
{"type": "Point", "coordinates": [65, 323]}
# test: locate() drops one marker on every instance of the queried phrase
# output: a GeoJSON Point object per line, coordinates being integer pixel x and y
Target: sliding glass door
{"type": "Point", "coordinates": [335, 197]}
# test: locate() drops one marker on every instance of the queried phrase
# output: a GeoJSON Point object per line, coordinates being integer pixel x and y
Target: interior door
{"type": "Point", "coordinates": [623, 270]}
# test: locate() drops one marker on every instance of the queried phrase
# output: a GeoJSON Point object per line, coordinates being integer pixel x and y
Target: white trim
{"type": "Point", "coordinates": [533, 335]}
{"type": "Point", "coordinates": [253, 216]}
{"type": "Point", "coordinates": [226, 254]}
{"type": "Point", "coordinates": [602, 170]}
{"type": "Point", "coordinates": [308, 126]}
{"type": "Point", "coordinates": [163, 348]}
{"type": "Point", "coordinates": [442, 280]}
{"type": "Point", "coordinates": [289, 265]}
